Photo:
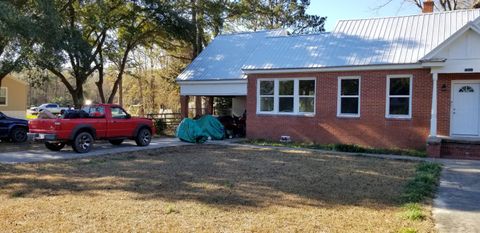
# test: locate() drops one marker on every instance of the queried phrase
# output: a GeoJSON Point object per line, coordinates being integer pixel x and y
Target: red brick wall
{"type": "Point", "coordinates": [371, 129]}
{"type": "Point", "coordinates": [444, 99]}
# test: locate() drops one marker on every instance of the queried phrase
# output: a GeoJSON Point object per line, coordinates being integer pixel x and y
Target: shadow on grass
{"type": "Point", "coordinates": [221, 176]}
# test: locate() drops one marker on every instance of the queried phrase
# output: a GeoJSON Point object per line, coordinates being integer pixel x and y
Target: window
{"type": "Point", "coordinates": [286, 96]}
{"type": "Point", "coordinates": [348, 104]}
{"type": "Point", "coordinates": [95, 111]}
{"type": "Point", "coordinates": [3, 96]}
{"type": "Point", "coordinates": [468, 89]}
{"type": "Point", "coordinates": [118, 113]}
{"type": "Point", "coordinates": [399, 96]}
{"type": "Point", "coordinates": [266, 96]}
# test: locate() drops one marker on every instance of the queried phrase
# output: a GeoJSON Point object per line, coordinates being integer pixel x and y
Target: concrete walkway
{"type": "Point", "coordinates": [40, 155]}
{"type": "Point", "coordinates": [456, 207]}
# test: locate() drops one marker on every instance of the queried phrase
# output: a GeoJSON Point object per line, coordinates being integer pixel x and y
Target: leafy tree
{"type": "Point", "coordinates": [140, 23]}
{"type": "Point", "coordinates": [274, 14]}
{"type": "Point", "coordinates": [15, 29]}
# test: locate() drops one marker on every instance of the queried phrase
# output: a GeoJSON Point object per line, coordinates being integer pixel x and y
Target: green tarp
{"type": "Point", "coordinates": [198, 131]}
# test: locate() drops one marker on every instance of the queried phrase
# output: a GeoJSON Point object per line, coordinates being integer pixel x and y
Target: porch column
{"type": "Point", "coordinates": [433, 119]}
{"type": "Point", "coordinates": [434, 144]}
{"type": "Point", "coordinates": [184, 99]}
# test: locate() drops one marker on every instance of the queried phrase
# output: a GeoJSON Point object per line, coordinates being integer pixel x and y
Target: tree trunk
{"type": "Point", "coordinates": [121, 70]}
{"type": "Point", "coordinates": [195, 49]}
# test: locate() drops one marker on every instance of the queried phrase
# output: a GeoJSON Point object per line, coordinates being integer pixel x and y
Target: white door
{"type": "Point", "coordinates": [465, 109]}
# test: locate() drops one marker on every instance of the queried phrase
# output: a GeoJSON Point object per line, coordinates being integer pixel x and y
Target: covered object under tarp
{"type": "Point", "coordinates": [200, 130]}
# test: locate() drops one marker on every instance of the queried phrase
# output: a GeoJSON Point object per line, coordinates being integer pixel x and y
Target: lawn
{"type": "Point", "coordinates": [209, 188]}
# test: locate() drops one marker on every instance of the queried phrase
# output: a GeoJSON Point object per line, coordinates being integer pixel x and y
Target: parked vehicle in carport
{"type": "Point", "coordinates": [13, 129]}
{"type": "Point", "coordinates": [79, 128]}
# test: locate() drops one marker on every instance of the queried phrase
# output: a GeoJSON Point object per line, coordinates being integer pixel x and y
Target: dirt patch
{"type": "Point", "coordinates": [14, 147]}
{"type": "Point", "coordinates": [208, 188]}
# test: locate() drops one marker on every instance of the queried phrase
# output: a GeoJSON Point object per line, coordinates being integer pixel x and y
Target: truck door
{"type": "Point", "coordinates": [120, 124]}
{"type": "Point", "coordinates": [97, 118]}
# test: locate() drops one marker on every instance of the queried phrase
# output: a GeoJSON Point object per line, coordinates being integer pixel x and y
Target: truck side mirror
{"type": "Point", "coordinates": [128, 116]}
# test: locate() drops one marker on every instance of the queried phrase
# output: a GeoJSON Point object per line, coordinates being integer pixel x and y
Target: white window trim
{"type": "Point", "coordinates": [410, 97]}
{"type": "Point", "coordinates": [6, 97]}
{"type": "Point", "coordinates": [339, 96]}
{"type": "Point", "coordinates": [296, 97]}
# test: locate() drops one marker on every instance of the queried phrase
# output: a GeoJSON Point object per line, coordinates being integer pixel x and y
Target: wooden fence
{"type": "Point", "coordinates": [170, 119]}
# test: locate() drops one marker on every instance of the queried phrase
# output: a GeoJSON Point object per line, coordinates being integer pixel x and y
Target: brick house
{"type": "Point", "coordinates": [403, 82]}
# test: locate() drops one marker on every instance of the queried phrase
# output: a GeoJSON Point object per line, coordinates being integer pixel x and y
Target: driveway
{"type": "Point", "coordinates": [457, 205]}
{"type": "Point", "coordinates": [38, 155]}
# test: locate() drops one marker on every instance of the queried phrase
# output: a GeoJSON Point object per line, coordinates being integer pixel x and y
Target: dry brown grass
{"type": "Point", "coordinates": [207, 189]}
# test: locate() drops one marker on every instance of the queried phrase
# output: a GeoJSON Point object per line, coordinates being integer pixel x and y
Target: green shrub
{"type": "Point", "coordinates": [339, 147]}
{"type": "Point", "coordinates": [349, 148]}
{"type": "Point", "coordinates": [160, 126]}
{"type": "Point", "coordinates": [407, 230]}
{"type": "Point", "coordinates": [413, 211]}
{"type": "Point", "coordinates": [424, 183]}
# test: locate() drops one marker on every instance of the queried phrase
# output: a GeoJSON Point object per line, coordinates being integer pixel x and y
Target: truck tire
{"type": "Point", "coordinates": [19, 134]}
{"type": "Point", "coordinates": [144, 137]}
{"type": "Point", "coordinates": [54, 146]}
{"type": "Point", "coordinates": [116, 142]}
{"type": "Point", "coordinates": [83, 142]}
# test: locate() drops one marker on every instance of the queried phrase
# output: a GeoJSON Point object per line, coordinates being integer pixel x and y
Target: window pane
{"type": "Point", "coordinates": [349, 105]}
{"type": "Point", "coordinates": [118, 113]}
{"type": "Point", "coordinates": [399, 86]}
{"type": "Point", "coordinates": [3, 92]}
{"type": "Point", "coordinates": [306, 87]}
{"type": "Point", "coordinates": [266, 104]}
{"type": "Point", "coordinates": [266, 87]}
{"type": "Point", "coordinates": [285, 104]}
{"type": "Point", "coordinates": [3, 100]}
{"type": "Point", "coordinates": [349, 86]}
{"type": "Point", "coordinates": [399, 106]}
{"type": "Point", "coordinates": [307, 104]}
{"type": "Point", "coordinates": [286, 87]}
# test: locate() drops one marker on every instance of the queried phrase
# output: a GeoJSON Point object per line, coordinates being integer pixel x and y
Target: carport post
{"type": "Point", "coordinates": [184, 105]}
{"type": "Point", "coordinates": [198, 106]}
{"type": "Point", "coordinates": [209, 105]}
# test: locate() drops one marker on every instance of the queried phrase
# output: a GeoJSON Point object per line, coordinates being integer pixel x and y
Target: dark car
{"type": "Point", "coordinates": [13, 129]}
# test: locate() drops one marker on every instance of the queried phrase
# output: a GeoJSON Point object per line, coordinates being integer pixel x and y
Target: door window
{"type": "Point", "coordinates": [118, 113]}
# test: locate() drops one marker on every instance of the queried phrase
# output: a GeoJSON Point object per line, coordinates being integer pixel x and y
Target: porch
{"type": "Point", "coordinates": [455, 121]}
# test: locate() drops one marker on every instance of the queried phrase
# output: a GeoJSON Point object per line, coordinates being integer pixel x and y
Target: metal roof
{"type": "Point", "coordinates": [224, 57]}
{"type": "Point", "coordinates": [376, 41]}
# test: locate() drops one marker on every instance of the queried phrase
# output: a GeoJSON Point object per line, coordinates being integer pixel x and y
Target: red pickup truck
{"type": "Point", "coordinates": [80, 128]}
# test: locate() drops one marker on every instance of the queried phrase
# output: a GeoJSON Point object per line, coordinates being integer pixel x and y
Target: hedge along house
{"type": "Point", "coordinates": [217, 72]}
{"type": "Point", "coordinates": [404, 82]}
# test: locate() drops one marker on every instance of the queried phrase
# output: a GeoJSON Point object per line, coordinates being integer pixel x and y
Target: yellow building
{"type": "Point", "coordinates": [13, 97]}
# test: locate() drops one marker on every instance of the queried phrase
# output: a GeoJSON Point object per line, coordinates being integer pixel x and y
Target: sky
{"type": "Point", "coordinates": [358, 9]}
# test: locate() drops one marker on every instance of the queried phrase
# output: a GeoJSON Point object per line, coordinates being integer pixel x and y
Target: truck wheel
{"type": "Point", "coordinates": [55, 146]}
{"type": "Point", "coordinates": [83, 142]}
{"type": "Point", "coordinates": [19, 134]}
{"type": "Point", "coordinates": [144, 137]}
{"type": "Point", "coordinates": [116, 142]}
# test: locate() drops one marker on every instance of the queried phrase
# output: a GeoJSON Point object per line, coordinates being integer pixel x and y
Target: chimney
{"type": "Point", "coordinates": [428, 6]}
